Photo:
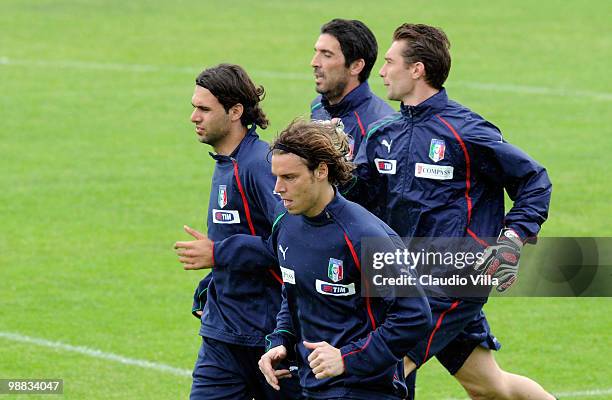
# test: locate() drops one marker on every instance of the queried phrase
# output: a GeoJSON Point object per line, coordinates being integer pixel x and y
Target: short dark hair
{"type": "Point", "coordinates": [428, 45]}
{"type": "Point", "coordinates": [356, 41]}
{"type": "Point", "coordinates": [231, 85]}
{"type": "Point", "coordinates": [317, 142]}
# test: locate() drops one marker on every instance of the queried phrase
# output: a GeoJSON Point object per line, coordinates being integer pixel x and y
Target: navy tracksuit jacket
{"type": "Point", "coordinates": [439, 170]}
{"type": "Point", "coordinates": [323, 299]}
{"type": "Point", "coordinates": [357, 110]}
{"type": "Point", "coordinates": [242, 305]}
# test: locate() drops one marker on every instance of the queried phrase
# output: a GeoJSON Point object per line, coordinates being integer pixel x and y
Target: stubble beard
{"type": "Point", "coordinates": [214, 139]}
{"type": "Point", "coordinates": [216, 136]}
{"type": "Point", "coordinates": [334, 94]}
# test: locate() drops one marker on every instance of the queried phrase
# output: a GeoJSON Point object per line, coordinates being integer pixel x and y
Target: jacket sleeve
{"type": "Point", "coordinates": [406, 322]}
{"type": "Point", "coordinates": [244, 252]}
{"type": "Point", "coordinates": [261, 183]}
{"type": "Point", "coordinates": [200, 296]}
{"type": "Point", "coordinates": [525, 181]}
{"type": "Point", "coordinates": [247, 252]}
{"type": "Point", "coordinates": [364, 188]}
{"type": "Point", "coordinates": [284, 334]}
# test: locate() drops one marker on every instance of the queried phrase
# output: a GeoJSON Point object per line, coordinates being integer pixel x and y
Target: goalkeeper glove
{"type": "Point", "coordinates": [502, 261]}
{"type": "Point", "coordinates": [340, 139]}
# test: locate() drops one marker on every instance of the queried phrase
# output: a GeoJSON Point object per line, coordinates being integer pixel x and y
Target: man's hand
{"type": "Point", "coordinates": [502, 261]}
{"type": "Point", "coordinates": [338, 136]}
{"type": "Point", "coordinates": [325, 360]}
{"type": "Point", "coordinates": [200, 296]}
{"type": "Point", "coordinates": [196, 254]}
{"type": "Point", "coordinates": [269, 361]}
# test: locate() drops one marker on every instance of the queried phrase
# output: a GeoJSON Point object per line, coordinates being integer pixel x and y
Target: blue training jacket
{"type": "Point", "coordinates": [242, 305]}
{"type": "Point", "coordinates": [323, 298]}
{"type": "Point", "coordinates": [439, 170]}
{"type": "Point", "coordinates": [357, 110]}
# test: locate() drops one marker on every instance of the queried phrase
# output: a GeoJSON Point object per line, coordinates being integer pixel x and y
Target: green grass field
{"type": "Point", "coordinates": [100, 168]}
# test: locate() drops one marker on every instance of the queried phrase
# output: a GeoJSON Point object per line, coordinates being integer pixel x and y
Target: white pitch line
{"type": "Point", "coordinates": [294, 76]}
{"type": "Point", "coordinates": [542, 90]}
{"type": "Point", "coordinates": [70, 64]}
{"type": "Point", "coordinates": [95, 353]}
{"type": "Point", "coordinates": [185, 372]}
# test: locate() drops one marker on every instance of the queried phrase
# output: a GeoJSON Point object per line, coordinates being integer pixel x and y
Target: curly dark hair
{"type": "Point", "coordinates": [317, 142]}
{"type": "Point", "coordinates": [231, 85]}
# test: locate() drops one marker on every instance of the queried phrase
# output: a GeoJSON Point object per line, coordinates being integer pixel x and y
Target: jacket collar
{"type": "Point", "coordinates": [427, 108]}
{"type": "Point", "coordinates": [350, 102]}
{"type": "Point", "coordinates": [250, 136]}
{"type": "Point", "coordinates": [327, 215]}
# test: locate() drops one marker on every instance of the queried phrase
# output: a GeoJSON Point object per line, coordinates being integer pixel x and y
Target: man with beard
{"type": "Point", "coordinates": [345, 53]}
{"type": "Point", "coordinates": [241, 306]}
{"type": "Point", "coordinates": [348, 345]}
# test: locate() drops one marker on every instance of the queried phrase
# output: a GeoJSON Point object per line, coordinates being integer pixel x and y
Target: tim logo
{"type": "Point", "coordinates": [329, 288]}
{"type": "Point", "coordinates": [385, 166]}
{"type": "Point", "coordinates": [225, 216]}
{"type": "Point", "coordinates": [334, 289]}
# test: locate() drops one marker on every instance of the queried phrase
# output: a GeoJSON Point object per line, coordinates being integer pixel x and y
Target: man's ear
{"type": "Point", "coordinates": [357, 66]}
{"type": "Point", "coordinates": [235, 112]}
{"type": "Point", "coordinates": [418, 70]}
{"type": "Point", "coordinates": [321, 172]}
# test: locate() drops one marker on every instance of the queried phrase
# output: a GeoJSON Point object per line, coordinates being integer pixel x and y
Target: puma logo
{"type": "Point", "coordinates": [284, 251]}
{"type": "Point", "coordinates": [387, 145]}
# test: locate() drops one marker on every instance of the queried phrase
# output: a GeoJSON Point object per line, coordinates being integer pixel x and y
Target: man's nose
{"type": "Point", "coordinates": [194, 116]}
{"type": "Point", "coordinates": [315, 61]}
{"type": "Point", "coordinates": [278, 187]}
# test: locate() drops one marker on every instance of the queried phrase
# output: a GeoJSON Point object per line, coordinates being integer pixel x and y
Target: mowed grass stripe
{"type": "Point", "coordinates": [483, 86]}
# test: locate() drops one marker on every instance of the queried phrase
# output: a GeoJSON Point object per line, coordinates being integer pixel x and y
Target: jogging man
{"type": "Point", "coordinates": [242, 306]}
{"type": "Point", "coordinates": [437, 169]}
{"type": "Point", "coordinates": [345, 53]}
{"type": "Point", "coordinates": [347, 346]}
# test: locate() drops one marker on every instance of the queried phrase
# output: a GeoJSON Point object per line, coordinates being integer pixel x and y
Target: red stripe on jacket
{"type": "Point", "coordinates": [468, 184]}
{"type": "Point", "coordinates": [247, 211]}
{"type": "Point", "coordinates": [363, 132]}
{"type": "Point", "coordinates": [358, 264]}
